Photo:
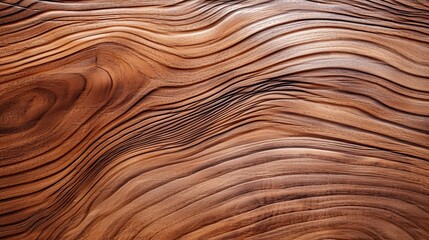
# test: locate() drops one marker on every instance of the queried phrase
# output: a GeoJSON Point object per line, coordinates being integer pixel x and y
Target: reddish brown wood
{"type": "Point", "coordinates": [165, 119]}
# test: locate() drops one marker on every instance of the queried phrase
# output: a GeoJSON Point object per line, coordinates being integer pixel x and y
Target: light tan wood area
{"type": "Point", "coordinates": [165, 119]}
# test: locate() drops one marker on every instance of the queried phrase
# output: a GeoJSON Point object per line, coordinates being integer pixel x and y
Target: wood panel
{"type": "Point", "coordinates": [167, 119]}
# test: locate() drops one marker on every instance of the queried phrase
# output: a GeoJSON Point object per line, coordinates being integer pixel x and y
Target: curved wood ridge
{"type": "Point", "coordinates": [166, 119]}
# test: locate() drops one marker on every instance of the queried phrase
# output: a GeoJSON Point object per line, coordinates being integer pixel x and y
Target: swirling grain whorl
{"type": "Point", "coordinates": [284, 119]}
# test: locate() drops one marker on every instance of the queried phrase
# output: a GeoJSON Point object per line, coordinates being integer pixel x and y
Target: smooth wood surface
{"type": "Point", "coordinates": [165, 119]}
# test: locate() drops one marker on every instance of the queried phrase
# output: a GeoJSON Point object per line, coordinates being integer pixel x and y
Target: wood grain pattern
{"type": "Point", "coordinates": [167, 119]}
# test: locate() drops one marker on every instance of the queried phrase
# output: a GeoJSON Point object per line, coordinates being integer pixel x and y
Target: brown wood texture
{"type": "Point", "coordinates": [166, 119]}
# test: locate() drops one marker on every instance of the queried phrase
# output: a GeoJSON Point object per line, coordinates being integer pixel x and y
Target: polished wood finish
{"type": "Point", "coordinates": [166, 119]}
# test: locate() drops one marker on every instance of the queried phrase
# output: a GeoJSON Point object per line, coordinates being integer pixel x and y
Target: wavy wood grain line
{"type": "Point", "coordinates": [283, 119]}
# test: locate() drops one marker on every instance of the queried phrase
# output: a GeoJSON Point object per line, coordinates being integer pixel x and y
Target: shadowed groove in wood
{"type": "Point", "coordinates": [284, 119]}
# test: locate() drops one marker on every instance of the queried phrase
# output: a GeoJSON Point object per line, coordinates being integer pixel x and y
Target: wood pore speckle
{"type": "Point", "coordinates": [167, 119]}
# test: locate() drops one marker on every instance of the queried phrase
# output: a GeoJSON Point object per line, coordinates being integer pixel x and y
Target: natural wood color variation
{"type": "Point", "coordinates": [166, 119]}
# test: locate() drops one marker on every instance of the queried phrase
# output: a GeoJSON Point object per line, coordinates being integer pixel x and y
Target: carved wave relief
{"type": "Point", "coordinates": [283, 119]}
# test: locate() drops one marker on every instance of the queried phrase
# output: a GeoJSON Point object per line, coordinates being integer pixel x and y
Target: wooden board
{"type": "Point", "coordinates": [166, 119]}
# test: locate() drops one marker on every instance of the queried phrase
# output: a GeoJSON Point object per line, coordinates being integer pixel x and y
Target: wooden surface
{"type": "Point", "coordinates": [286, 119]}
